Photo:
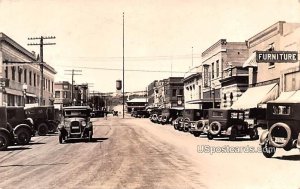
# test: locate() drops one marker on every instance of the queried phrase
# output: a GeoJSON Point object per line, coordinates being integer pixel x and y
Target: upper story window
{"type": "Point", "coordinates": [217, 68]}
{"type": "Point", "coordinates": [13, 73]}
{"type": "Point", "coordinates": [213, 70]}
{"type": "Point", "coordinates": [6, 72]}
{"type": "Point", "coordinates": [34, 79]}
{"type": "Point", "coordinates": [174, 92]}
{"type": "Point", "coordinates": [19, 74]}
{"type": "Point", "coordinates": [57, 94]}
{"type": "Point", "coordinates": [25, 76]}
{"type": "Point", "coordinates": [30, 78]}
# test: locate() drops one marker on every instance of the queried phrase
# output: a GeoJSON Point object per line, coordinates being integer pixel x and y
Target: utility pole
{"type": "Point", "coordinates": [123, 69]}
{"type": "Point", "coordinates": [73, 72]}
{"type": "Point", "coordinates": [41, 44]}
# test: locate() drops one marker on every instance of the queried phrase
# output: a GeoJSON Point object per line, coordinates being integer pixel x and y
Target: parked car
{"type": "Point", "coordinates": [190, 115]}
{"type": "Point", "coordinates": [97, 113]}
{"type": "Point", "coordinates": [45, 119]}
{"type": "Point", "coordinates": [231, 123]}
{"type": "Point", "coordinates": [177, 122]}
{"type": "Point", "coordinates": [155, 114]}
{"type": "Point", "coordinates": [199, 123]}
{"type": "Point", "coordinates": [142, 114]}
{"type": "Point", "coordinates": [14, 127]}
{"type": "Point", "coordinates": [134, 113]}
{"type": "Point", "coordinates": [283, 128]}
{"type": "Point", "coordinates": [75, 124]}
{"type": "Point", "coordinates": [169, 115]}
{"type": "Point", "coordinates": [257, 117]}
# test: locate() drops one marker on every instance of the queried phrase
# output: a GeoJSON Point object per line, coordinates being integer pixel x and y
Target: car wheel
{"type": "Point", "coordinates": [253, 133]}
{"type": "Point", "coordinates": [60, 138]}
{"type": "Point", "coordinates": [210, 136]}
{"type": "Point", "coordinates": [267, 150]}
{"type": "Point", "coordinates": [42, 129]}
{"type": "Point", "coordinates": [90, 136]}
{"type": "Point", "coordinates": [279, 128]}
{"type": "Point", "coordinates": [197, 134]}
{"type": "Point", "coordinates": [23, 136]}
{"type": "Point", "coordinates": [215, 128]}
{"type": "Point", "coordinates": [4, 141]}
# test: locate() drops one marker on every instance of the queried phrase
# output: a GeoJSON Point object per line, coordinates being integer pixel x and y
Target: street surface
{"type": "Point", "coordinates": [136, 153]}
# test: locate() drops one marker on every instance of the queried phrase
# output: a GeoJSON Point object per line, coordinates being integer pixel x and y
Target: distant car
{"type": "Point", "coordinates": [283, 127]}
{"type": "Point", "coordinates": [230, 123]}
{"type": "Point", "coordinates": [169, 115]}
{"type": "Point", "coordinates": [142, 114]}
{"type": "Point", "coordinates": [76, 124]}
{"type": "Point", "coordinates": [198, 123]}
{"type": "Point", "coordinates": [188, 116]}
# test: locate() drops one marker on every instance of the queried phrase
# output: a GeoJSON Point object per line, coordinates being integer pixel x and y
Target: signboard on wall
{"type": "Point", "coordinates": [277, 56]}
{"type": "Point", "coordinates": [205, 78]}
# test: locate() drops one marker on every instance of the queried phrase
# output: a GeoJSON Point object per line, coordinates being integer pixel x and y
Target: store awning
{"type": "Point", "coordinates": [284, 96]}
{"type": "Point", "coordinates": [31, 95]}
{"type": "Point", "coordinates": [14, 92]}
{"type": "Point", "coordinates": [251, 61]}
{"type": "Point", "coordinates": [256, 95]}
{"type": "Point", "coordinates": [288, 97]}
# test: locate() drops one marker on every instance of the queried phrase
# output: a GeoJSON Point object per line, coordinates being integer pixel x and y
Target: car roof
{"type": "Point", "coordinates": [76, 108]}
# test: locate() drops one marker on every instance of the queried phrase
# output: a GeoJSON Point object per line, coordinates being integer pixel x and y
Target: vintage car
{"type": "Point", "coordinates": [134, 113]}
{"type": "Point", "coordinates": [14, 127]}
{"type": "Point", "coordinates": [169, 115]}
{"type": "Point", "coordinates": [231, 123]}
{"type": "Point", "coordinates": [257, 117]}
{"type": "Point", "coordinates": [45, 119]}
{"type": "Point", "coordinates": [283, 122]}
{"type": "Point", "coordinates": [142, 114]}
{"type": "Point", "coordinates": [190, 115]}
{"type": "Point", "coordinates": [199, 123]}
{"type": "Point", "coordinates": [75, 123]}
{"type": "Point", "coordinates": [154, 115]}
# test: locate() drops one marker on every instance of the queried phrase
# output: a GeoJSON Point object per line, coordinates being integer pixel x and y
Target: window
{"type": "Point", "coordinates": [217, 68]}
{"type": "Point", "coordinates": [213, 70]}
{"type": "Point", "coordinates": [236, 115]}
{"type": "Point", "coordinates": [25, 76]}
{"type": "Point", "coordinates": [30, 78]}
{"type": "Point", "coordinates": [52, 87]}
{"type": "Point", "coordinates": [281, 110]}
{"type": "Point", "coordinates": [217, 114]}
{"type": "Point", "coordinates": [49, 85]}
{"type": "Point", "coordinates": [38, 80]}
{"type": "Point", "coordinates": [180, 91]}
{"type": "Point", "coordinates": [13, 73]}
{"type": "Point", "coordinates": [174, 92]}
{"type": "Point", "coordinates": [57, 94]}
{"type": "Point", "coordinates": [65, 86]}
{"type": "Point", "coordinates": [65, 94]}
{"type": "Point", "coordinates": [34, 79]}
{"type": "Point", "coordinates": [19, 74]}
{"type": "Point", "coordinates": [6, 72]}
{"type": "Point", "coordinates": [271, 48]}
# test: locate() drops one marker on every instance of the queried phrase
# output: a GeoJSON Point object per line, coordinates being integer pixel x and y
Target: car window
{"type": "Point", "coordinates": [76, 113]}
{"type": "Point", "coordinates": [217, 114]}
{"type": "Point", "coordinates": [281, 110]}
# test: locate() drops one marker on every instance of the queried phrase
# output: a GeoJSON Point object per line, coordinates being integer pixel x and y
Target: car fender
{"type": "Point", "coordinates": [22, 126]}
{"type": "Point", "coordinates": [6, 132]}
{"type": "Point", "coordinates": [298, 141]}
{"type": "Point", "coordinates": [228, 131]}
{"type": "Point", "coordinates": [263, 137]}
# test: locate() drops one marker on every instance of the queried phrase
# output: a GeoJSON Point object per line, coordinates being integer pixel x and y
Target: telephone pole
{"type": "Point", "coordinates": [123, 68]}
{"type": "Point", "coordinates": [73, 72]}
{"type": "Point", "coordinates": [41, 44]}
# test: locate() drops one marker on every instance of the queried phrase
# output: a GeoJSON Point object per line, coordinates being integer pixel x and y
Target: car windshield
{"type": "Point", "coordinates": [76, 113]}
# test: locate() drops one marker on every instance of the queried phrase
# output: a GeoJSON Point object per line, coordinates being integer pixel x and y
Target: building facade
{"type": "Point", "coordinates": [271, 78]}
{"type": "Point", "coordinates": [193, 88]}
{"type": "Point", "coordinates": [222, 72]}
{"type": "Point", "coordinates": [62, 94]}
{"type": "Point", "coordinates": [23, 79]}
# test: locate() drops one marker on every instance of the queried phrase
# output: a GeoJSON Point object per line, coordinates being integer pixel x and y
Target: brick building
{"type": "Point", "coordinates": [16, 94]}
{"type": "Point", "coordinates": [62, 93]}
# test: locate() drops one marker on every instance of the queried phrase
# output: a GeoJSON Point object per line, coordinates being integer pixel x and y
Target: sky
{"type": "Point", "coordinates": [163, 38]}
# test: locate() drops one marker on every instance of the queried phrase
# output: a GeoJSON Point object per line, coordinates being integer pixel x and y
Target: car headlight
{"type": "Point", "coordinates": [83, 123]}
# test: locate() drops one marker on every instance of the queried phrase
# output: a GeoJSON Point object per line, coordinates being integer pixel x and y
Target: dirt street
{"type": "Point", "coordinates": [135, 153]}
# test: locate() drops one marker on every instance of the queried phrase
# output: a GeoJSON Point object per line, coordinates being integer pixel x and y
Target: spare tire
{"type": "Point", "coordinates": [215, 128]}
{"type": "Point", "coordinates": [278, 128]}
{"type": "Point", "coordinates": [199, 124]}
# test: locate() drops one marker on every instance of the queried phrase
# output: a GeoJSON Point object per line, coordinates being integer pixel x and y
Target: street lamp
{"type": "Point", "coordinates": [24, 87]}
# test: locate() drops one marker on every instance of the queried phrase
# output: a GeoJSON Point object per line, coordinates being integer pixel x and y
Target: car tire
{"type": "Point", "coordinates": [288, 138]}
{"type": "Point", "coordinates": [210, 136]}
{"type": "Point", "coordinates": [23, 136]}
{"type": "Point", "coordinates": [90, 136]}
{"type": "Point", "coordinates": [253, 134]}
{"type": "Point", "coordinates": [267, 150]}
{"type": "Point", "coordinates": [197, 134]}
{"type": "Point", "coordinates": [60, 138]}
{"type": "Point", "coordinates": [4, 141]}
{"type": "Point", "coordinates": [215, 128]}
{"type": "Point", "coordinates": [43, 129]}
